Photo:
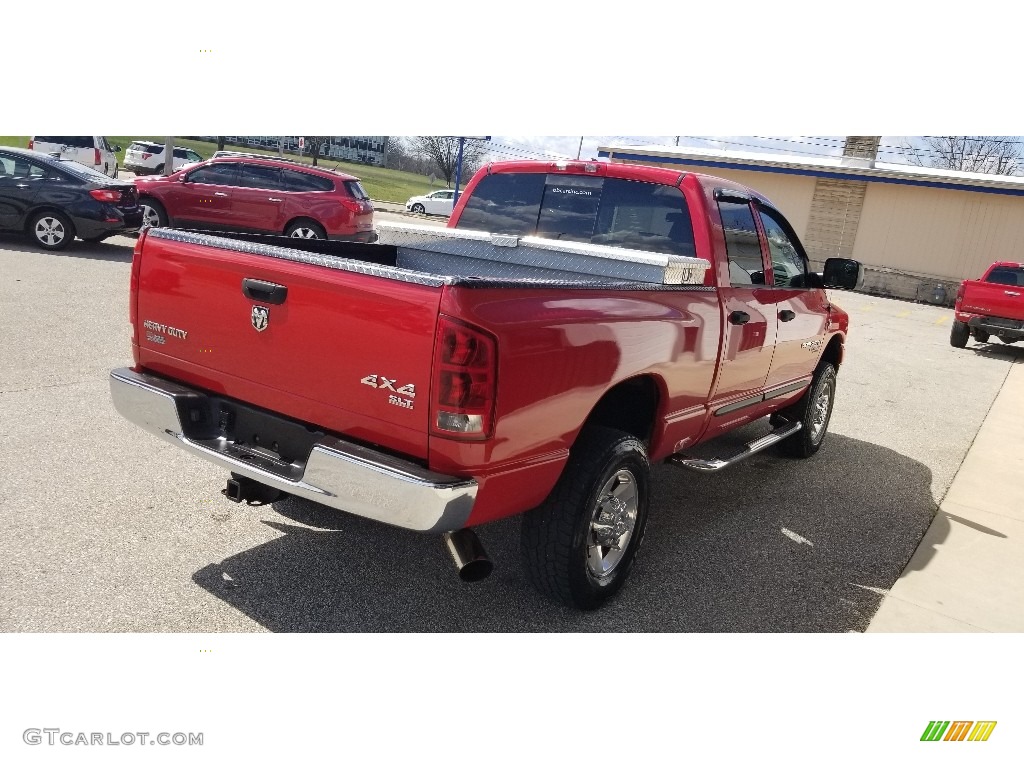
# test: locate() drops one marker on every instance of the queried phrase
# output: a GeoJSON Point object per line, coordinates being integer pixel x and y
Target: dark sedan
{"type": "Point", "coordinates": [53, 201]}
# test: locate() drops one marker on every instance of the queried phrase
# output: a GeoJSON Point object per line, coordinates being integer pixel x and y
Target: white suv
{"type": "Point", "coordinates": [92, 151]}
{"type": "Point", "coordinates": [147, 157]}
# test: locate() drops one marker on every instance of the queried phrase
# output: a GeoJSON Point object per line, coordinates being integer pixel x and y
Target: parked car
{"type": "Point", "coordinates": [55, 200]}
{"type": "Point", "coordinates": [260, 195]}
{"type": "Point", "coordinates": [146, 157]}
{"type": "Point", "coordinates": [92, 151]}
{"type": "Point", "coordinates": [439, 203]}
{"type": "Point", "coordinates": [991, 306]}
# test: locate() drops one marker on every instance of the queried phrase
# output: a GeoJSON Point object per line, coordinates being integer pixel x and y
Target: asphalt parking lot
{"type": "Point", "coordinates": [109, 529]}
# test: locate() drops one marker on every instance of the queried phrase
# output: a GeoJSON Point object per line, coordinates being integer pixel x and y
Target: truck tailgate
{"type": "Point", "coordinates": [993, 300]}
{"type": "Point", "coordinates": [314, 340]}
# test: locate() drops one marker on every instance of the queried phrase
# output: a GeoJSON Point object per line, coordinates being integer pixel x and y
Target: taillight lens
{"type": "Point", "coordinates": [31, 144]}
{"type": "Point", "coordinates": [97, 161]}
{"type": "Point", "coordinates": [106, 195]}
{"type": "Point", "coordinates": [133, 292]}
{"type": "Point", "coordinates": [355, 206]}
{"type": "Point", "coordinates": [959, 296]}
{"type": "Point", "coordinates": [465, 370]}
{"type": "Point", "coordinates": [146, 155]}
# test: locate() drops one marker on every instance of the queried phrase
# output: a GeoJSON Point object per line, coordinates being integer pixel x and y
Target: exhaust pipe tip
{"type": "Point", "coordinates": [469, 555]}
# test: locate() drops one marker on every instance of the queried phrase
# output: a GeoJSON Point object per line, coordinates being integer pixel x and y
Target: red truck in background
{"type": "Point", "coordinates": [573, 324]}
{"type": "Point", "coordinates": [993, 305]}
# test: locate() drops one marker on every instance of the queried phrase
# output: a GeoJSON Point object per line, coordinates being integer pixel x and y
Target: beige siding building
{"type": "Point", "coordinates": [917, 231]}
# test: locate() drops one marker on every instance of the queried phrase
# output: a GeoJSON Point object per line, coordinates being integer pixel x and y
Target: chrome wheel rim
{"type": "Point", "coordinates": [49, 231]}
{"type": "Point", "coordinates": [306, 232]}
{"type": "Point", "coordinates": [820, 411]}
{"type": "Point", "coordinates": [612, 523]}
{"type": "Point", "coordinates": [150, 218]}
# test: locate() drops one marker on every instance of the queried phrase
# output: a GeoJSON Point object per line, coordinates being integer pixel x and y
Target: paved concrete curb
{"type": "Point", "coordinates": [967, 575]}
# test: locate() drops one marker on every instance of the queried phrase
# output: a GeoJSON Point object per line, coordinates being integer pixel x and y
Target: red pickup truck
{"type": "Point", "coordinates": [992, 305]}
{"type": "Point", "coordinates": [573, 324]}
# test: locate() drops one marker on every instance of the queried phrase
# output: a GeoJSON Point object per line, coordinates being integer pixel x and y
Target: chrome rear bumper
{"type": "Point", "coordinates": [337, 473]}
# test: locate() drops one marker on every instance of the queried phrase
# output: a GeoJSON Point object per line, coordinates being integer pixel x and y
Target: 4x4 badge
{"type": "Point", "coordinates": [260, 318]}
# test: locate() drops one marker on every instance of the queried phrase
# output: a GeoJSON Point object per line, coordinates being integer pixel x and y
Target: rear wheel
{"type": "Point", "coordinates": [306, 229]}
{"type": "Point", "coordinates": [579, 545]}
{"type": "Point", "coordinates": [959, 334]}
{"type": "Point", "coordinates": [813, 411]}
{"type": "Point", "coordinates": [51, 230]}
{"type": "Point", "coordinates": [153, 214]}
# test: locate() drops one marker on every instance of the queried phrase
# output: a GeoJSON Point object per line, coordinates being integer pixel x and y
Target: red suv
{"type": "Point", "coordinates": [265, 195]}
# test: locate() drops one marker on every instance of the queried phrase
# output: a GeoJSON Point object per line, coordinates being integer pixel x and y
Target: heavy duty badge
{"type": "Point", "coordinates": [260, 318]}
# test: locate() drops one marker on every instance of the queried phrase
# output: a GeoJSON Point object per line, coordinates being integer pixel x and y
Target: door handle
{"type": "Point", "coordinates": [220, 194]}
{"type": "Point", "coordinates": [739, 318]}
{"type": "Point", "coordinates": [274, 199]}
{"type": "Point", "coordinates": [261, 290]}
{"type": "Point", "coordinates": [786, 315]}
{"type": "Point", "coordinates": [1012, 293]}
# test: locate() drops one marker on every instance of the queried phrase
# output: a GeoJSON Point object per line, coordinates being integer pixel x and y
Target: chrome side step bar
{"type": "Point", "coordinates": [779, 434]}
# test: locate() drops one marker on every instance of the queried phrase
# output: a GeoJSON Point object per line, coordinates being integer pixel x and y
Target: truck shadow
{"type": "Point", "coordinates": [772, 545]}
{"type": "Point", "coordinates": [117, 248]}
{"type": "Point", "coordinates": [998, 351]}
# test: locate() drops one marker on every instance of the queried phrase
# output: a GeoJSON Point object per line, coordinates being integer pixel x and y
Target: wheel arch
{"type": "Point", "coordinates": [833, 352]}
{"type": "Point", "coordinates": [46, 208]}
{"type": "Point", "coordinates": [630, 406]}
{"type": "Point", "coordinates": [302, 217]}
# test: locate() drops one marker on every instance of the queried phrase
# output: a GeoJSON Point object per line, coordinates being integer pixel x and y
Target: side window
{"type": "Point", "coordinates": [296, 181]}
{"type": "Point", "coordinates": [222, 174]}
{"type": "Point", "coordinates": [746, 266]}
{"type": "Point", "coordinates": [260, 177]}
{"type": "Point", "coordinates": [789, 263]}
{"type": "Point", "coordinates": [6, 166]}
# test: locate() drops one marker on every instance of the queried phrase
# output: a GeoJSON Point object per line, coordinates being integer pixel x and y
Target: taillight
{"type": "Point", "coordinates": [133, 292]}
{"type": "Point", "coordinates": [97, 161]}
{"type": "Point", "coordinates": [106, 195]}
{"type": "Point", "coordinates": [465, 379]}
{"type": "Point", "coordinates": [959, 296]}
{"type": "Point", "coordinates": [351, 205]}
{"type": "Point", "coordinates": [31, 144]}
{"type": "Point", "coordinates": [146, 155]}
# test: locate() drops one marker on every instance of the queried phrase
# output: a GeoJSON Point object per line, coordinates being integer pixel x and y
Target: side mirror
{"type": "Point", "coordinates": [841, 273]}
{"type": "Point", "coordinates": [117, 147]}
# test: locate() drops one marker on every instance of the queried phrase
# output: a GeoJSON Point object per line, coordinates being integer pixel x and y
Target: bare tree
{"type": "Point", "coordinates": [981, 154]}
{"type": "Point", "coordinates": [313, 144]}
{"type": "Point", "coordinates": [220, 143]}
{"type": "Point", "coordinates": [443, 152]}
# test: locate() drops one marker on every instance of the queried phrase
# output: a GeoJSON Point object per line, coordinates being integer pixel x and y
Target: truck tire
{"type": "Point", "coordinates": [959, 334]}
{"type": "Point", "coordinates": [813, 410]}
{"type": "Point", "coordinates": [979, 335]}
{"type": "Point", "coordinates": [579, 545]}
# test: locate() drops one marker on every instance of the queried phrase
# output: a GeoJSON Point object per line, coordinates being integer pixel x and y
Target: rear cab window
{"type": "Point", "coordinates": [1006, 275]}
{"type": "Point", "coordinates": [583, 208]}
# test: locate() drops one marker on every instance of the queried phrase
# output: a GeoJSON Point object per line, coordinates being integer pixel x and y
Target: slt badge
{"type": "Point", "coordinates": [260, 318]}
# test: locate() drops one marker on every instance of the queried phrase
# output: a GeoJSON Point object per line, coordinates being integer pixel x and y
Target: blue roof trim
{"type": "Point", "coordinates": [812, 172]}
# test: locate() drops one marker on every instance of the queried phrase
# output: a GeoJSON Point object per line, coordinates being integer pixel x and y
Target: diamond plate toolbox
{"type": "Point", "coordinates": [561, 255]}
